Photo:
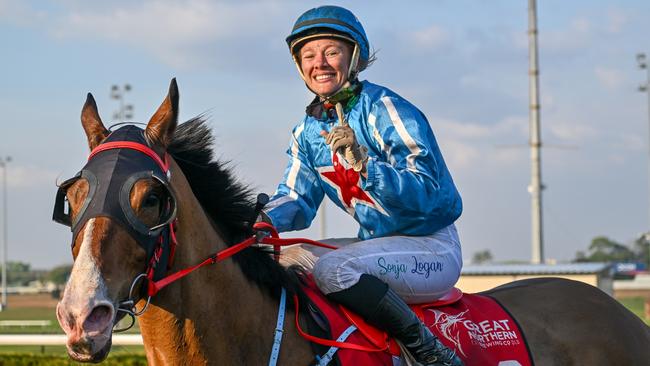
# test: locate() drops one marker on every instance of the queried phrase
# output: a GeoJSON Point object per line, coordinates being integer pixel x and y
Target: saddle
{"type": "Point", "coordinates": [477, 327]}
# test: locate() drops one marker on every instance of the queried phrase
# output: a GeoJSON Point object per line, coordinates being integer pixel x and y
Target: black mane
{"type": "Point", "coordinates": [227, 202]}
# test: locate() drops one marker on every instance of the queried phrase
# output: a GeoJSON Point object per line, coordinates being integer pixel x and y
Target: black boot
{"type": "Point", "coordinates": [382, 307]}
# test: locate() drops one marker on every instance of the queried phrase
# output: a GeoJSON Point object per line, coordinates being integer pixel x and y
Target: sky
{"type": "Point", "coordinates": [464, 63]}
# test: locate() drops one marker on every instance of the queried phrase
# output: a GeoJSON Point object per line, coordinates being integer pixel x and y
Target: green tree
{"type": "Point", "coordinates": [603, 249]}
{"type": "Point", "coordinates": [59, 275]}
{"type": "Point", "coordinates": [482, 256]}
{"type": "Point", "coordinates": [642, 249]}
{"type": "Point", "coordinates": [20, 273]}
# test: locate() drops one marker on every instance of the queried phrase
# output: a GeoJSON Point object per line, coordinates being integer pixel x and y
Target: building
{"type": "Point", "coordinates": [476, 278]}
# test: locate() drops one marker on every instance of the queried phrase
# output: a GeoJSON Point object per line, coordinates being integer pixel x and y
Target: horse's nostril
{"type": "Point", "coordinates": [99, 312]}
{"type": "Point", "coordinates": [98, 319]}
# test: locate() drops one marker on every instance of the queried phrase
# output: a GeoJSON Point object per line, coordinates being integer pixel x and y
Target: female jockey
{"type": "Point", "coordinates": [384, 168]}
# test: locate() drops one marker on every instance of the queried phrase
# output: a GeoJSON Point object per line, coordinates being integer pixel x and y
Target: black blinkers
{"type": "Point", "coordinates": [111, 173]}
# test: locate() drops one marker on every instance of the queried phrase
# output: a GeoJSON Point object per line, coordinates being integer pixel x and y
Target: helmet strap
{"type": "Point", "coordinates": [354, 63]}
{"type": "Point", "coordinates": [296, 61]}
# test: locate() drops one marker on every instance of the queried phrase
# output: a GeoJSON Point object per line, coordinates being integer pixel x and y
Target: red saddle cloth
{"type": "Point", "coordinates": [477, 327]}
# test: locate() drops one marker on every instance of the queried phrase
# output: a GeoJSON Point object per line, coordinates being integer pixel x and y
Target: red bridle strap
{"type": "Point", "coordinates": [164, 165]}
{"type": "Point", "coordinates": [273, 239]}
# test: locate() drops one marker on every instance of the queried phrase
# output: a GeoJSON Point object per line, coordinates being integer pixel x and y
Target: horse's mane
{"type": "Point", "coordinates": [228, 202]}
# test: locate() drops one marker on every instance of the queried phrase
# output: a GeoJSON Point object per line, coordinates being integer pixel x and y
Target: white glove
{"type": "Point", "coordinates": [342, 139]}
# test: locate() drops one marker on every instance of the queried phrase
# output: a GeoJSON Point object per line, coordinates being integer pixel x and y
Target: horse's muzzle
{"type": "Point", "coordinates": [89, 331]}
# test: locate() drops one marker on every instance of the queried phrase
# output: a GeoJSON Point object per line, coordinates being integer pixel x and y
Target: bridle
{"type": "Point", "coordinates": [112, 169]}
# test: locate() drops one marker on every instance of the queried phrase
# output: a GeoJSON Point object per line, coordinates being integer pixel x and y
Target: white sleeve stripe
{"type": "Point", "coordinates": [275, 203]}
{"type": "Point", "coordinates": [295, 164]}
{"type": "Point", "coordinates": [403, 133]}
{"type": "Point", "coordinates": [372, 121]}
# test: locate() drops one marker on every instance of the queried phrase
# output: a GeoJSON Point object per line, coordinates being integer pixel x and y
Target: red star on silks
{"type": "Point", "coordinates": [346, 183]}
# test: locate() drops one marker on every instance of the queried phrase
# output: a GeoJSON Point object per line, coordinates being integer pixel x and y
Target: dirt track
{"type": "Point", "coordinates": [31, 301]}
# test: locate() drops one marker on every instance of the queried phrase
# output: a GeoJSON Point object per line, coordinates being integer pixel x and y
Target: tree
{"type": "Point", "coordinates": [20, 273]}
{"type": "Point", "coordinates": [482, 256]}
{"type": "Point", "coordinates": [642, 249]}
{"type": "Point", "coordinates": [603, 249]}
{"type": "Point", "coordinates": [59, 275]}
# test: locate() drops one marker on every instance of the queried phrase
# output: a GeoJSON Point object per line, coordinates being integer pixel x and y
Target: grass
{"type": "Point", "coordinates": [31, 359]}
{"type": "Point", "coordinates": [30, 314]}
{"type": "Point", "coordinates": [40, 313]}
{"type": "Point", "coordinates": [60, 350]}
{"type": "Point", "coordinates": [636, 305]}
{"type": "Point", "coordinates": [52, 355]}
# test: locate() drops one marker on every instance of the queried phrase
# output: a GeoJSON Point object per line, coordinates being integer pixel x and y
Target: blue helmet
{"type": "Point", "coordinates": [333, 21]}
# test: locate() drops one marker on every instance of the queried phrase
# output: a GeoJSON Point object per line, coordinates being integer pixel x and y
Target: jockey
{"type": "Point", "coordinates": [383, 166]}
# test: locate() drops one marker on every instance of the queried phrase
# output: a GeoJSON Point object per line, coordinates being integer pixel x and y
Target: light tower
{"type": "Point", "coordinates": [642, 63]}
{"type": "Point", "coordinates": [5, 229]}
{"type": "Point", "coordinates": [126, 110]}
{"type": "Point", "coordinates": [536, 187]}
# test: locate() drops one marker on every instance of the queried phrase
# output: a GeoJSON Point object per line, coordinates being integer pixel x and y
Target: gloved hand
{"type": "Point", "coordinates": [261, 233]}
{"type": "Point", "coordinates": [263, 217]}
{"type": "Point", "coordinates": [341, 139]}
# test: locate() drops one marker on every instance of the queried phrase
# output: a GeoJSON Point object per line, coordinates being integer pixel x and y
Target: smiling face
{"type": "Point", "coordinates": [324, 63]}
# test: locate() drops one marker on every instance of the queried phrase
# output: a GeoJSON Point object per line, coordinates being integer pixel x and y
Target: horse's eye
{"type": "Point", "coordinates": [152, 200]}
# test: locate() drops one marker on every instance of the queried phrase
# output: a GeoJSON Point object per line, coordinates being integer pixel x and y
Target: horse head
{"type": "Point", "coordinates": [121, 211]}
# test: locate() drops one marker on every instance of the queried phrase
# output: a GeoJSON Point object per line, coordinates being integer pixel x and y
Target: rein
{"type": "Point", "coordinates": [272, 239]}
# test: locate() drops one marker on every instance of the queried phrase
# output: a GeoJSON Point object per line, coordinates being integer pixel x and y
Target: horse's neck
{"type": "Point", "coordinates": [214, 313]}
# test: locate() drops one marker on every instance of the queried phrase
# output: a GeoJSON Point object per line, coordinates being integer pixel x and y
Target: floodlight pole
{"type": "Point", "coordinates": [642, 63]}
{"type": "Point", "coordinates": [126, 110]}
{"type": "Point", "coordinates": [536, 187]}
{"type": "Point", "coordinates": [5, 227]}
{"type": "Point", "coordinates": [323, 220]}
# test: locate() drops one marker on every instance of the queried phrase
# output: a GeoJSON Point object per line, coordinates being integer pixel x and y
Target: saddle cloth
{"type": "Point", "coordinates": [477, 327]}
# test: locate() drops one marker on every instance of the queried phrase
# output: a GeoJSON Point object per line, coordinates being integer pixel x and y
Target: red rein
{"type": "Point", "coordinates": [273, 239]}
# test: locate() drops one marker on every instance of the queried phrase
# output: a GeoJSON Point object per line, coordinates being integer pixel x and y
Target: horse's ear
{"type": "Point", "coordinates": [92, 123]}
{"type": "Point", "coordinates": [161, 126]}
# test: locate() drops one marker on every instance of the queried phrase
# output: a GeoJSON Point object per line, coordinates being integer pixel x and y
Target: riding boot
{"type": "Point", "coordinates": [382, 307]}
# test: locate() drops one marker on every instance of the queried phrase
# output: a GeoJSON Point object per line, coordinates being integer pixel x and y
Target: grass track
{"type": "Point", "coordinates": [636, 305]}
{"type": "Point", "coordinates": [39, 313]}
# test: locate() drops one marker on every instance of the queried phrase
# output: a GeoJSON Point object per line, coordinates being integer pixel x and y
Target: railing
{"type": "Point", "coordinates": [25, 323]}
{"type": "Point", "coordinates": [60, 339]}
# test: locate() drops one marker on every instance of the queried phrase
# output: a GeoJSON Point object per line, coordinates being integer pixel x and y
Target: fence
{"type": "Point", "coordinates": [60, 339]}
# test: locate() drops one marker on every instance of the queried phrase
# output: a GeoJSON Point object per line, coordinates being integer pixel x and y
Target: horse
{"type": "Point", "coordinates": [226, 313]}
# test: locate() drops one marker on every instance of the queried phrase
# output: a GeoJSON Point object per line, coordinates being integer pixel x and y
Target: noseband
{"type": "Point", "coordinates": [112, 170]}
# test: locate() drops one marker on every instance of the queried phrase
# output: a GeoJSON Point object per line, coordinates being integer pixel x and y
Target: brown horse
{"type": "Point", "coordinates": [226, 314]}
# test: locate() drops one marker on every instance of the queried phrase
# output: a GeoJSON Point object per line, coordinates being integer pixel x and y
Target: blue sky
{"type": "Point", "coordinates": [463, 63]}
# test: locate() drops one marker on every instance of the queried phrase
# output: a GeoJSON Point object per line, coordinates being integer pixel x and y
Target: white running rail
{"type": "Point", "coordinates": [60, 339]}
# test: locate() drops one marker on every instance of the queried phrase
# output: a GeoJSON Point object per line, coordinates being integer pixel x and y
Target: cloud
{"type": "Point", "coordinates": [616, 21]}
{"type": "Point", "coordinates": [629, 142]}
{"type": "Point", "coordinates": [577, 35]}
{"type": "Point", "coordinates": [573, 131]}
{"type": "Point", "coordinates": [461, 130]}
{"type": "Point", "coordinates": [430, 37]}
{"type": "Point", "coordinates": [21, 13]}
{"type": "Point", "coordinates": [468, 145]}
{"type": "Point", "coordinates": [610, 78]}
{"type": "Point", "coordinates": [183, 34]}
{"type": "Point", "coordinates": [580, 25]}
{"type": "Point", "coordinates": [458, 154]}
{"type": "Point", "coordinates": [28, 176]}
